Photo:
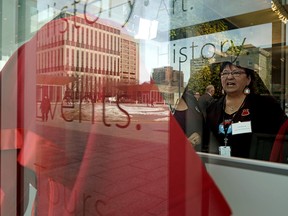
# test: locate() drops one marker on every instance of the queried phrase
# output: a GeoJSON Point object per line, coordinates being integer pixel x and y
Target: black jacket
{"type": "Point", "coordinates": [190, 120]}
{"type": "Point", "coordinates": [204, 101]}
{"type": "Point", "coordinates": [266, 118]}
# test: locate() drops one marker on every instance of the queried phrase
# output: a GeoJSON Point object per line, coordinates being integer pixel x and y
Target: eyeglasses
{"type": "Point", "coordinates": [234, 73]}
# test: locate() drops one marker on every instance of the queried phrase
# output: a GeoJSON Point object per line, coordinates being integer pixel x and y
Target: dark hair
{"type": "Point", "coordinates": [249, 72]}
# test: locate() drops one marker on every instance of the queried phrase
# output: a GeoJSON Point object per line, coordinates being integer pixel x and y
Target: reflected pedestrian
{"type": "Point", "coordinates": [190, 119]}
{"type": "Point", "coordinates": [206, 99]}
{"type": "Point", "coordinates": [197, 95]}
{"type": "Point", "coordinates": [152, 102]}
{"type": "Point", "coordinates": [45, 108]}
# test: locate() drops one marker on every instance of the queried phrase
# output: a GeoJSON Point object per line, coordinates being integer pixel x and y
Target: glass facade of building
{"type": "Point", "coordinates": [89, 91]}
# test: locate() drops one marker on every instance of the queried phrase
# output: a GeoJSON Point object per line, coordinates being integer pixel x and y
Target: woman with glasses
{"type": "Point", "coordinates": [242, 123]}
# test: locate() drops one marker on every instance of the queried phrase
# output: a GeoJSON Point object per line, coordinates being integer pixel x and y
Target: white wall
{"type": "Point", "coordinates": [251, 187]}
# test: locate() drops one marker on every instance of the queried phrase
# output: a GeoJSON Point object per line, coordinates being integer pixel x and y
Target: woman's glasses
{"type": "Point", "coordinates": [234, 73]}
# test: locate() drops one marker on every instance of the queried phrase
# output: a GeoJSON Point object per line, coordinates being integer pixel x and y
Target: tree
{"type": "Point", "coordinates": [199, 29]}
{"type": "Point", "coordinates": [208, 75]}
{"type": "Point", "coordinates": [199, 80]}
{"type": "Point", "coordinates": [215, 79]}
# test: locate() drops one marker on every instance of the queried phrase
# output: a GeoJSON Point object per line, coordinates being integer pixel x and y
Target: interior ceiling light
{"type": "Point", "coordinates": [278, 8]}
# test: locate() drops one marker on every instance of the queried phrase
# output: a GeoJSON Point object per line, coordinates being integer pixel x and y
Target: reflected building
{"type": "Point", "coordinates": [168, 76]}
{"type": "Point", "coordinates": [197, 65]}
{"type": "Point", "coordinates": [97, 55]}
{"type": "Point", "coordinates": [170, 83]}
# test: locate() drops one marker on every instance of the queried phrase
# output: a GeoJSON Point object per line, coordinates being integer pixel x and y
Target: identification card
{"type": "Point", "coordinates": [225, 151]}
{"type": "Point", "coordinates": [241, 127]}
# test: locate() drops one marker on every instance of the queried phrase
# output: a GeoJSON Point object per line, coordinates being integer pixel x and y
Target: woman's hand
{"type": "Point", "coordinates": [195, 139]}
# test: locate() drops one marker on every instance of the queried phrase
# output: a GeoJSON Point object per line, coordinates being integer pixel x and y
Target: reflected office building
{"type": "Point", "coordinates": [170, 83]}
{"type": "Point", "coordinates": [91, 55]}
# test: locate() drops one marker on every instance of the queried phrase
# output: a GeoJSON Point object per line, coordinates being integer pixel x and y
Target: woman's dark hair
{"type": "Point", "coordinates": [249, 72]}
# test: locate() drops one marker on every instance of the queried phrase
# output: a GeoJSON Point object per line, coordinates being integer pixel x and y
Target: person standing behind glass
{"type": "Point", "coordinates": [190, 119]}
{"type": "Point", "coordinates": [242, 123]}
{"type": "Point", "coordinates": [197, 95]}
{"type": "Point", "coordinates": [206, 99]}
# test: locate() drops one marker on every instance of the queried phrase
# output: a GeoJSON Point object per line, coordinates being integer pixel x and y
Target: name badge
{"type": "Point", "coordinates": [241, 127]}
{"type": "Point", "coordinates": [225, 151]}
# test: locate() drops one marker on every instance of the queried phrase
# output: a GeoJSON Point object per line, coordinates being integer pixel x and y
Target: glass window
{"type": "Point", "coordinates": [121, 132]}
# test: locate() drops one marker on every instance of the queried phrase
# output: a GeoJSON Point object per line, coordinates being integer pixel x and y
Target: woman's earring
{"type": "Point", "coordinates": [246, 90]}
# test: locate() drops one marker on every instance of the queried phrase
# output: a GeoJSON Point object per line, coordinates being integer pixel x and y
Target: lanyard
{"type": "Point", "coordinates": [226, 129]}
